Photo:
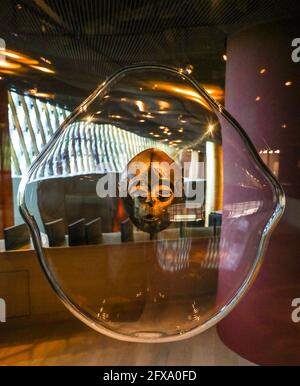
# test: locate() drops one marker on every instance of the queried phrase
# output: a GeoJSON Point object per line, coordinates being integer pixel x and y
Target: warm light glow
{"type": "Point", "coordinates": [32, 91]}
{"type": "Point", "coordinates": [284, 126]}
{"type": "Point", "coordinates": [186, 91]}
{"type": "Point", "coordinates": [10, 65]}
{"type": "Point", "coordinates": [45, 60]}
{"type": "Point", "coordinates": [210, 128]}
{"type": "Point", "coordinates": [288, 83]}
{"type": "Point", "coordinates": [140, 105]}
{"type": "Point", "coordinates": [263, 71]}
{"type": "Point", "coordinates": [269, 152]}
{"type": "Point", "coordinates": [163, 105]}
{"type": "Point", "coordinates": [224, 57]}
{"type": "Point", "coordinates": [258, 98]}
{"type": "Point", "coordinates": [180, 130]}
{"type": "Point", "coordinates": [188, 69]}
{"type": "Point", "coordinates": [8, 72]}
{"type": "Point", "coordinates": [214, 91]}
{"type": "Point", "coordinates": [45, 95]}
{"type": "Point", "coordinates": [38, 94]}
{"type": "Point", "coordinates": [43, 69]}
{"type": "Point", "coordinates": [10, 54]}
{"type": "Point", "coordinates": [16, 56]}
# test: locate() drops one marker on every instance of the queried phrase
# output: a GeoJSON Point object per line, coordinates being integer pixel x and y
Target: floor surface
{"type": "Point", "coordinates": [72, 343]}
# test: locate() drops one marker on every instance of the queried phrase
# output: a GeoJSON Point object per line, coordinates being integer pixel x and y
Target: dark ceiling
{"type": "Point", "coordinates": [84, 41]}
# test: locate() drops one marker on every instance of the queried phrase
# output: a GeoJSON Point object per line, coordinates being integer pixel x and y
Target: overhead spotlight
{"type": "Point", "coordinates": [45, 60]}
{"type": "Point", "coordinates": [189, 69]}
{"type": "Point", "coordinates": [43, 69]}
{"type": "Point", "coordinates": [140, 105]}
{"type": "Point", "coordinates": [89, 118]}
{"type": "Point", "coordinates": [224, 57]}
{"type": "Point", "coordinates": [210, 128]}
{"type": "Point", "coordinates": [9, 65]}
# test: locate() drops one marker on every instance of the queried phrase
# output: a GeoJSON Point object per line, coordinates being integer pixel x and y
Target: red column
{"type": "Point", "coordinates": [263, 94]}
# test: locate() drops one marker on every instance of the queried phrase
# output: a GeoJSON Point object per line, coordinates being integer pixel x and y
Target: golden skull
{"type": "Point", "coordinates": [153, 182]}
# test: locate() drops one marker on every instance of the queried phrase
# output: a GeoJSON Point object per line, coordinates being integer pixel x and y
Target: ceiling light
{"type": "Point", "coordinates": [43, 69]}
{"type": "Point", "coordinates": [210, 128]}
{"type": "Point", "coordinates": [140, 105]}
{"type": "Point", "coordinates": [45, 60]}
{"type": "Point", "coordinates": [163, 105]}
{"type": "Point", "coordinates": [6, 64]}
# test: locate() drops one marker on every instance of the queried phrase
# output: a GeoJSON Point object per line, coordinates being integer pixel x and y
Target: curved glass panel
{"type": "Point", "coordinates": [150, 209]}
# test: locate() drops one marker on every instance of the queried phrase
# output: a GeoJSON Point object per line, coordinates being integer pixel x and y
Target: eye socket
{"type": "Point", "coordinates": [163, 198]}
{"type": "Point", "coordinates": [165, 194]}
{"type": "Point", "coordinates": [138, 192]}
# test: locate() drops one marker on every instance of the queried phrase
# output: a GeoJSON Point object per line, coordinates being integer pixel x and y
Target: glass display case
{"type": "Point", "coordinates": [144, 203]}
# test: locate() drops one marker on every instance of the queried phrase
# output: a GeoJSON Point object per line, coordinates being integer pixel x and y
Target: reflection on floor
{"type": "Point", "coordinates": [72, 343]}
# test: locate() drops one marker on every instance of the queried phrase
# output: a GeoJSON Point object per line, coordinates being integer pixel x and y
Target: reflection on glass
{"type": "Point", "coordinates": [138, 210]}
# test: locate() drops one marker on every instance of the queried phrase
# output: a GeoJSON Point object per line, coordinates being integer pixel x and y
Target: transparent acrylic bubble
{"type": "Point", "coordinates": [150, 210]}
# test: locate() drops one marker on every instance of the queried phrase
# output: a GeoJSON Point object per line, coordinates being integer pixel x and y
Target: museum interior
{"type": "Point", "coordinates": [149, 182]}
